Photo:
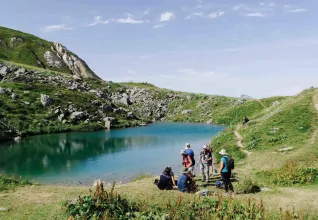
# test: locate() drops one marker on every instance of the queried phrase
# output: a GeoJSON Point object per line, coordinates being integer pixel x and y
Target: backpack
{"type": "Point", "coordinates": [230, 163]}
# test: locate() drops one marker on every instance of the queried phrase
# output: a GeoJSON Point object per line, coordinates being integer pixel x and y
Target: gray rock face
{"type": "Point", "coordinates": [186, 112]}
{"type": "Point", "coordinates": [53, 60]}
{"type": "Point", "coordinates": [46, 100]}
{"type": "Point", "coordinates": [60, 57]}
{"type": "Point", "coordinates": [109, 121]}
{"type": "Point", "coordinates": [240, 102]}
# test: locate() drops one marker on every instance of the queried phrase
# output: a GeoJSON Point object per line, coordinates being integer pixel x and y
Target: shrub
{"type": "Point", "coordinates": [247, 186]}
{"type": "Point", "coordinates": [10, 182]}
{"type": "Point", "coordinates": [291, 174]}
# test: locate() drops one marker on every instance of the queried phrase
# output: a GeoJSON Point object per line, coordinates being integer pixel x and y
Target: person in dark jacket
{"type": "Point", "coordinates": [186, 182]}
{"type": "Point", "coordinates": [225, 172]}
{"type": "Point", "coordinates": [166, 180]}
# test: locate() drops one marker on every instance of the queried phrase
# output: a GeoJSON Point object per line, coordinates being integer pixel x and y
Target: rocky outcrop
{"type": "Point", "coordinates": [60, 57]}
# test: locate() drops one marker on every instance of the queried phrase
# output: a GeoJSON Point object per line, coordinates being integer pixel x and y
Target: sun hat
{"type": "Point", "coordinates": [183, 152]}
{"type": "Point", "coordinates": [205, 147]}
{"type": "Point", "coordinates": [223, 152]}
{"type": "Point", "coordinates": [187, 145]}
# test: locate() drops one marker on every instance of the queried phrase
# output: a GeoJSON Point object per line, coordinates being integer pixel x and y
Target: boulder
{"type": "Point", "coordinates": [186, 112]}
{"type": "Point", "coordinates": [125, 99]}
{"type": "Point", "coordinates": [46, 100]}
{"type": "Point", "coordinates": [77, 115]}
{"type": "Point", "coordinates": [286, 149]}
{"type": "Point", "coordinates": [2, 90]}
{"type": "Point", "coordinates": [61, 117]}
{"type": "Point", "coordinates": [15, 41]}
{"type": "Point", "coordinates": [131, 115]}
{"type": "Point", "coordinates": [4, 70]}
{"type": "Point", "coordinates": [109, 121]}
{"type": "Point", "coordinates": [276, 103]}
{"type": "Point", "coordinates": [210, 121]}
{"type": "Point", "coordinates": [14, 96]}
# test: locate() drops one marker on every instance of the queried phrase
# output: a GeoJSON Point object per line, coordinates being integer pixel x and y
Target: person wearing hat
{"type": "Point", "coordinates": [190, 153]}
{"type": "Point", "coordinates": [185, 181]}
{"type": "Point", "coordinates": [186, 161]}
{"type": "Point", "coordinates": [225, 171]}
{"type": "Point", "coordinates": [166, 180]}
{"type": "Point", "coordinates": [205, 161]}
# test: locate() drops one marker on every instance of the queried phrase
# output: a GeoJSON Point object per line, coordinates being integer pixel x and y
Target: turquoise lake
{"type": "Point", "coordinates": [116, 155]}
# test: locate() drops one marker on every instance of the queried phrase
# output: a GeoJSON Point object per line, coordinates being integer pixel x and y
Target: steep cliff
{"type": "Point", "coordinates": [23, 48]}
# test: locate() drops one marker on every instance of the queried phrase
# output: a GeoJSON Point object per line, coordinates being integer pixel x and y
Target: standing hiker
{"type": "Point", "coordinates": [205, 161]}
{"type": "Point", "coordinates": [245, 120]}
{"type": "Point", "coordinates": [227, 164]}
{"type": "Point", "coordinates": [187, 161]}
{"type": "Point", "coordinates": [214, 169]}
{"type": "Point", "coordinates": [190, 153]}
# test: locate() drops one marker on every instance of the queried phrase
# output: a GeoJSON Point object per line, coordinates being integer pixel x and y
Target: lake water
{"type": "Point", "coordinates": [116, 155]}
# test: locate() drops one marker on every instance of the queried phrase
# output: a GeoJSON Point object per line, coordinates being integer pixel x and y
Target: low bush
{"type": "Point", "coordinates": [291, 174]}
{"type": "Point", "coordinates": [10, 182]}
{"type": "Point", "coordinates": [247, 186]}
{"type": "Point", "coordinates": [110, 205]}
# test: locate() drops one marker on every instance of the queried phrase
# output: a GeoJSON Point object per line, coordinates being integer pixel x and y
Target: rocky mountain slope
{"type": "Point", "coordinates": [27, 49]}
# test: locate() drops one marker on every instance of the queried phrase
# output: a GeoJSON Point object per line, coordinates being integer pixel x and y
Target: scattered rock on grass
{"type": "Point", "coordinates": [2, 209]}
{"type": "Point", "coordinates": [286, 149]}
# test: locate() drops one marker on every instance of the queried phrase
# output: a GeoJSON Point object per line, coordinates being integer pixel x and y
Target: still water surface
{"type": "Point", "coordinates": [116, 155]}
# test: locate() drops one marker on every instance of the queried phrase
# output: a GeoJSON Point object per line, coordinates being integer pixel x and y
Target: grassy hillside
{"type": "Point", "coordinates": [24, 48]}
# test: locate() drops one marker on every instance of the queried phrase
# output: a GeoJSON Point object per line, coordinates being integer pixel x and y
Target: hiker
{"type": "Point", "coordinates": [166, 180]}
{"type": "Point", "coordinates": [205, 161]}
{"type": "Point", "coordinates": [214, 169]}
{"type": "Point", "coordinates": [190, 153]}
{"type": "Point", "coordinates": [187, 161]}
{"type": "Point", "coordinates": [245, 120]}
{"type": "Point", "coordinates": [225, 171]}
{"type": "Point", "coordinates": [186, 182]}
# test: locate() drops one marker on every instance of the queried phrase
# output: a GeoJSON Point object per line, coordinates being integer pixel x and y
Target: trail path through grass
{"type": "Point", "coordinates": [240, 140]}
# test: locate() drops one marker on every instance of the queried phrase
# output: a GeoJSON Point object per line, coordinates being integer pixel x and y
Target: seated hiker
{"type": "Point", "coordinates": [166, 180]}
{"type": "Point", "coordinates": [225, 170]}
{"type": "Point", "coordinates": [205, 161]}
{"type": "Point", "coordinates": [186, 183]}
{"type": "Point", "coordinates": [187, 162]}
{"type": "Point", "coordinates": [190, 153]}
{"type": "Point", "coordinates": [245, 120]}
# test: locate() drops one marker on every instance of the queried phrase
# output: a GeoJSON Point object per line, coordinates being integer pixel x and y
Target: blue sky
{"type": "Point", "coordinates": [227, 47]}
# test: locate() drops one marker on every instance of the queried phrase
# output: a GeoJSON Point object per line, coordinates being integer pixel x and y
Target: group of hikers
{"type": "Point", "coordinates": [207, 162]}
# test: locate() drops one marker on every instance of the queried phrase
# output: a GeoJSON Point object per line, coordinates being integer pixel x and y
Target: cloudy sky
{"type": "Point", "coordinates": [227, 47]}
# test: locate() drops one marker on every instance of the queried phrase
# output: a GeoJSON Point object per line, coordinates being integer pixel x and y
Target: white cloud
{"type": "Point", "coordinates": [256, 14]}
{"type": "Point", "coordinates": [203, 74]}
{"type": "Point", "coordinates": [57, 27]}
{"type": "Point", "coordinates": [146, 12]}
{"type": "Point", "coordinates": [297, 10]}
{"type": "Point", "coordinates": [158, 25]}
{"type": "Point", "coordinates": [166, 16]}
{"type": "Point", "coordinates": [195, 14]}
{"type": "Point", "coordinates": [129, 20]}
{"type": "Point", "coordinates": [216, 14]}
{"type": "Point", "coordinates": [98, 20]}
{"type": "Point", "coordinates": [240, 6]}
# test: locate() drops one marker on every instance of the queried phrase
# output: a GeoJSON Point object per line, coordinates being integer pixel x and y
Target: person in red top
{"type": "Point", "coordinates": [186, 161]}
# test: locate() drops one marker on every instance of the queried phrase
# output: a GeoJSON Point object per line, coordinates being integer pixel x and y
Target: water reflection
{"type": "Point", "coordinates": [102, 154]}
